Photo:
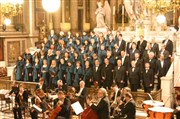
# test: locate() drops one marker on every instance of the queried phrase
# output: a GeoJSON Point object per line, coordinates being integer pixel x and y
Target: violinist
{"type": "Point", "coordinates": [64, 107]}
{"type": "Point", "coordinates": [81, 93]}
{"type": "Point", "coordinates": [41, 85]}
{"type": "Point", "coordinates": [40, 100]}
{"type": "Point", "coordinates": [61, 87]}
{"type": "Point", "coordinates": [103, 106]}
{"type": "Point", "coordinates": [21, 102]}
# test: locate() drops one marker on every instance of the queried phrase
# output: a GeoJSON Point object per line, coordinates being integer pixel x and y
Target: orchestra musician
{"type": "Point", "coordinates": [113, 97]}
{"type": "Point", "coordinates": [103, 107]}
{"type": "Point", "coordinates": [14, 88]}
{"type": "Point", "coordinates": [128, 109]}
{"type": "Point", "coordinates": [61, 87]}
{"type": "Point", "coordinates": [64, 104]}
{"type": "Point", "coordinates": [21, 102]}
{"type": "Point", "coordinates": [81, 93]}
{"type": "Point", "coordinates": [41, 85]}
{"type": "Point", "coordinates": [40, 100]}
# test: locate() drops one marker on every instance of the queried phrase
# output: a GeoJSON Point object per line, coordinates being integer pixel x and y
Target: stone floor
{"type": "Point", "coordinates": [6, 112]}
{"type": "Point", "coordinates": [9, 115]}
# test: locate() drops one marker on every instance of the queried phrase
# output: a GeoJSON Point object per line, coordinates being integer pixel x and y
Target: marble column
{"type": "Point", "coordinates": [93, 6]}
{"type": "Point", "coordinates": [74, 14]}
{"type": "Point", "coordinates": [86, 25]}
{"type": "Point", "coordinates": [57, 20]}
{"type": "Point", "coordinates": [64, 26]}
{"type": "Point", "coordinates": [167, 91]}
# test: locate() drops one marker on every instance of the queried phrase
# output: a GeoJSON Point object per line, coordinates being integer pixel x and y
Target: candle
{"type": "Point", "coordinates": [131, 9]}
{"type": "Point", "coordinates": [122, 9]}
{"type": "Point", "coordinates": [114, 10]}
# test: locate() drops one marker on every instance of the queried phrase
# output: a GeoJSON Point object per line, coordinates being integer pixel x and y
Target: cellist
{"type": "Point", "coordinates": [41, 101]}
{"type": "Point", "coordinates": [61, 107]}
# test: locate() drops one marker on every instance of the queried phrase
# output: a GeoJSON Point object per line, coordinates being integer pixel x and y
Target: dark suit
{"type": "Point", "coordinates": [122, 46]}
{"type": "Point", "coordinates": [148, 78]}
{"type": "Point", "coordinates": [161, 71]}
{"type": "Point", "coordinates": [155, 49]}
{"type": "Point", "coordinates": [129, 110]}
{"type": "Point", "coordinates": [119, 76]}
{"type": "Point", "coordinates": [131, 54]}
{"type": "Point", "coordinates": [21, 102]}
{"type": "Point", "coordinates": [141, 46]}
{"type": "Point", "coordinates": [134, 76]}
{"type": "Point", "coordinates": [169, 46]}
{"type": "Point", "coordinates": [43, 105]}
{"type": "Point", "coordinates": [129, 47]}
{"type": "Point", "coordinates": [103, 108]}
{"type": "Point", "coordinates": [107, 72]}
{"type": "Point", "coordinates": [65, 108]}
{"type": "Point", "coordinates": [82, 96]}
{"type": "Point", "coordinates": [63, 88]}
{"type": "Point", "coordinates": [97, 75]}
{"type": "Point", "coordinates": [43, 87]}
{"type": "Point", "coordinates": [165, 53]}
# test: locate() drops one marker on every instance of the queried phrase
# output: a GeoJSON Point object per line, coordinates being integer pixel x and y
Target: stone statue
{"type": "Point", "coordinates": [100, 13]}
{"type": "Point", "coordinates": [103, 15]}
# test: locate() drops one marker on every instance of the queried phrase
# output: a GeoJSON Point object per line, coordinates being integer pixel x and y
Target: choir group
{"type": "Point", "coordinates": [105, 59]}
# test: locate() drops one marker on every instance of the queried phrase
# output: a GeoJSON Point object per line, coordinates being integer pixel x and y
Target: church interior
{"type": "Point", "coordinates": [89, 59]}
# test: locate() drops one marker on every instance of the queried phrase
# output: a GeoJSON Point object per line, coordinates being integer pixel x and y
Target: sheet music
{"type": "Point", "coordinates": [77, 107]}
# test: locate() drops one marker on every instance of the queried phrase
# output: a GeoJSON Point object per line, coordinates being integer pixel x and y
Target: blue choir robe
{"type": "Point", "coordinates": [36, 73]}
{"type": "Point", "coordinates": [90, 53]}
{"type": "Point", "coordinates": [45, 74]}
{"type": "Point", "coordinates": [41, 60]}
{"type": "Point", "coordinates": [111, 60]}
{"type": "Point", "coordinates": [52, 36]}
{"type": "Point", "coordinates": [62, 72]}
{"type": "Point", "coordinates": [110, 45]}
{"type": "Point", "coordinates": [77, 75]}
{"type": "Point", "coordinates": [102, 54]}
{"type": "Point", "coordinates": [63, 50]}
{"type": "Point", "coordinates": [53, 71]}
{"type": "Point", "coordinates": [49, 59]}
{"type": "Point", "coordinates": [84, 37]}
{"type": "Point", "coordinates": [78, 48]}
{"type": "Point", "coordinates": [28, 56]}
{"type": "Point", "coordinates": [69, 74]}
{"type": "Point", "coordinates": [93, 37]}
{"type": "Point", "coordinates": [58, 47]}
{"type": "Point", "coordinates": [28, 72]}
{"type": "Point", "coordinates": [46, 46]}
{"type": "Point", "coordinates": [87, 77]}
{"type": "Point", "coordinates": [84, 60]}
{"type": "Point", "coordinates": [19, 69]}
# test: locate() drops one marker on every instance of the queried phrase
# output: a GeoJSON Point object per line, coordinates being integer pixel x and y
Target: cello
{"type": "Point", "coordinates": [56, 110]}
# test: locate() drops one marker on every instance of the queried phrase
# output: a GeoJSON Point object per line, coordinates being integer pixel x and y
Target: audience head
{"type": "Point", "coordinates": [125, 90]}
{"type": "Point", "coordinates": [41, 81]}
{"type": "Point", "coordinates": [134, 45]}
{"type": "Point", "coordinates": [82, 84]}
{"type": "Point", "coordinates": [97, 63]}
{"type": "Point", "coordinates": [102, 93]}
{"type": "Point", "coordinates": [161, 57]}
{"type": "Point", "coordinates": [147, 65]}
{"type": "Point", "coordinates": [61, 95]}
{"type": "Point", "coordinates": [151, 55]}
{"type": "Point", "coordinates": [119, 62]}
{"type": "Point", "coordinates": [60, 83]}
{"type": "Point", "coordinates": [136, 55]}
{"type": "Point", "coordinates": [127, 96]}
{"type": "Point", "coordinates": [133, 63]}
{"type": "Point", "coordinates": [106, 61]}
{"type": "Point", "coordinates": [123, 53]}
{"type": "Point", "coordinates": [52, 32]}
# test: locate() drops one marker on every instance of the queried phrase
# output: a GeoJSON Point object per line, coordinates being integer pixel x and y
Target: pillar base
{"type": "Point", "coordinates": [65, 26]}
